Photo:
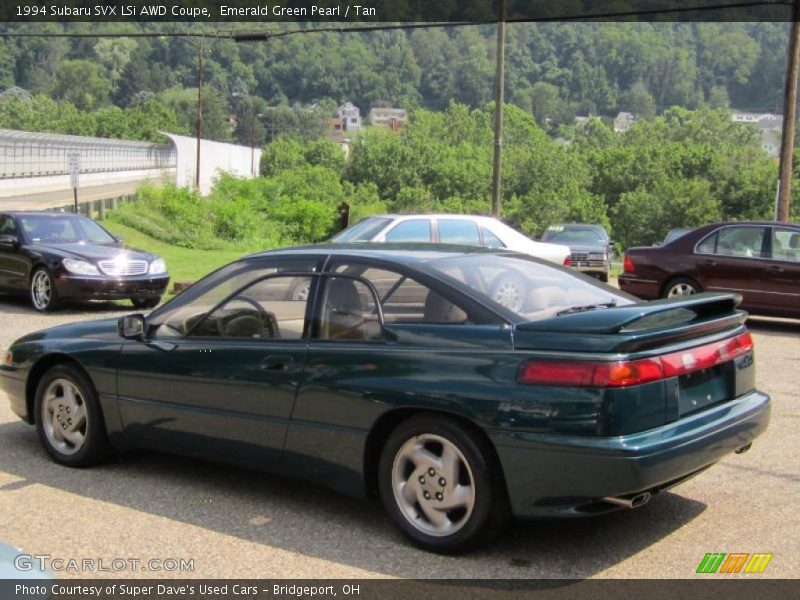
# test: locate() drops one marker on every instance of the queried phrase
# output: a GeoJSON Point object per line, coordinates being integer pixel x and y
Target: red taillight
{"type": "Point", "coordinates": [627, 264]}
{"type": "Point", "coordinates": [705, 357]}
{"type": "Point", "coordinates": [550, 372]}
{"type": "Point", "coordinates": [633, 372]}
{"type": "Point", "coordinates": [627, 372]}
{"type": "Point", "coordinates": [568, 261]}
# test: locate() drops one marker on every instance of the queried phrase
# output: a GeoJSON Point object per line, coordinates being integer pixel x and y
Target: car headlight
{"type": "Point", "coordinates": [80, 267]}
{"type": "Point", "coordinates": [597, 256]}
{"type": "Point", "coordinates": [158, 266]}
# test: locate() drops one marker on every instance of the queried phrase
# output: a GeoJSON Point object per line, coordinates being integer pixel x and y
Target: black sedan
{"type": "Point", "coordinates": [55, 257]}
{"type": "Point", "coordinates": [399, 374]}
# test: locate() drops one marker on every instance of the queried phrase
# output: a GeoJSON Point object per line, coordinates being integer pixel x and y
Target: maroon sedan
{"type": "Point", "coordinates": [759, 260]}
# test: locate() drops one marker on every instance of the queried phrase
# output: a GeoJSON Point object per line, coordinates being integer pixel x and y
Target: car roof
{"type": "Point", "coordinates": [402, 253]}
{"type": "Point", "coordinates": [591, 226]}
{"type": "Point", "coordinates": [433, 216]}
{"type": "Point", "coordinates": [40, 213]}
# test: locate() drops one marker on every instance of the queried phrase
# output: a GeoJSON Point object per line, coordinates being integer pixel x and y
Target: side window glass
{"type": "Point", "coordinates": [418, 230]}
{"type": "Point", "coordinates": [183, 314]}
{"type": "Point", "coordinates": [490, 240]}
{"type": "Point", "coordinates": [453, 231]}
{"type": "Point", "coordinates": [405, 300]}
{"type": "Point", "coordinates": [349, 311]}
{"type": "Point", "coordinates": [786, 245]}
{"type": "Point", "coordinates": [7, 225]}
{"type": "Point", "coordinates": [708, 245]}
{"type": "Point", "coordinates": [740, 241]}
{"type": "Point", "coordinates": [271, 309]}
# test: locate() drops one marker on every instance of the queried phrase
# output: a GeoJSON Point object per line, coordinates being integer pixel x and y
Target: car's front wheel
{"type": "Point", "coordinates": [44, 295]}
{"type": "Point", "coordinates": [142, 303]}
{"type": "Point", "coordinates": [441, 485]}
{"type": "Point", "coordinates": [681, 286]}
{"type": "Point", "coordinates": [68, 418]}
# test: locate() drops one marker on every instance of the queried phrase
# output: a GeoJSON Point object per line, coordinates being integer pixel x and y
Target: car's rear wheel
{"type": "Point", "coordinates": [441, 486]}
{"type": "Point", "coordinates": [68, 418]}
{"type": "Point", "coordinates": [510, 291]}
{"type": "Point", "coordinates": [146, 302]}
{"type": "Point", "coordinates": [44, 296]}
{"type": "Point", "coordinates": [681, 286]}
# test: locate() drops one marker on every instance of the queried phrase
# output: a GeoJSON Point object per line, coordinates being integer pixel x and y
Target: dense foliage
{"type": "Point", "coordinates": [683, 168]}
{"type": "Point", "coordinates": [554, 71]}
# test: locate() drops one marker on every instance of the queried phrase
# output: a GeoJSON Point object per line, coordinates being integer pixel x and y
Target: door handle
{"type": "Point", "coordinates": [276, 363]}
{"type": "Point", "coordinates": [709, 263]}
{"type": "Point", "coordinates": [774, 270]}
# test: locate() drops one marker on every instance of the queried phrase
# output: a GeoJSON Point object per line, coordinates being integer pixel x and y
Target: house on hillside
{"type": "Point", "coordinates": [393, 118]}
{"type": "Point", "coordinates": [623, 121]}
{"type": "Point", "coordinates": [350, 115]}
{"type": "Point", "coordinates": [15, 92]}
{"type": "Point", "coordinates": [769, 126]}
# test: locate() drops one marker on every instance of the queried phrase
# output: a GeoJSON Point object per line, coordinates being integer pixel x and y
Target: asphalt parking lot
{"type": "Point", "coordinates": [236, 523]}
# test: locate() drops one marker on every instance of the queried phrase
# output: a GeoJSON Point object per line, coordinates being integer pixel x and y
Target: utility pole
{"type": "Point", "coordinates": [199, 122]}
{"type": "Point", "coordinates": [252, 137]}
{"type": "Point", "coordinates": [789, 118]}
{"type": "Point", "coordinates": [499, 100]}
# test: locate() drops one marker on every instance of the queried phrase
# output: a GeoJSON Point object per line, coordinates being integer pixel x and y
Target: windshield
{"type": "Point", "coordinates": [574, 236]}
{"type": "Point", "coordinates": [363, 231]}
{"type": "Point", "coordinates": [530, 289]}
{"type": "Point", "coordinates": [64, 229]}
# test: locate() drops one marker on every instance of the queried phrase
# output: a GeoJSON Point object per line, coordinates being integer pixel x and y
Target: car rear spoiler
{"type": "Point", "coordinates": [633, 327]}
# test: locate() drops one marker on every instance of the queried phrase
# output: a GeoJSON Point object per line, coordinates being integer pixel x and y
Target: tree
{"type": "Point", "coordinates": [638, 101]}
{"type": "Point", "coordinates": [82, 83]}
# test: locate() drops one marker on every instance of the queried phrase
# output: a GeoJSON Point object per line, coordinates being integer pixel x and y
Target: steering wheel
{"type": "Point", "coordinates": [267, 320]}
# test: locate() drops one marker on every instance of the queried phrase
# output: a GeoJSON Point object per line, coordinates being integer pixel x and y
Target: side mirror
{"type": "Point", "coordinates": [131, 327]}
{"type": "Point", "coordinates": [9, 241]}
{"type": "Point", "coordinates": [118, 239]}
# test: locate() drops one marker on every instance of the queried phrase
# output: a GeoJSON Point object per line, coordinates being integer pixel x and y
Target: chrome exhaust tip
{"type": "Point", "coordinates": [634, 501]}
{"type": "Point", "coordinates": [744, 449]}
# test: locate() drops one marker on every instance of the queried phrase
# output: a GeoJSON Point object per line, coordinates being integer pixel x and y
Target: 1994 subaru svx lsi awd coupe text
{"type": "Point", "coordinates": [399, 374]}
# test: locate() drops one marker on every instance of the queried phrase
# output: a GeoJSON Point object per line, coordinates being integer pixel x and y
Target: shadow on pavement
{"type": "Point", "coordinates": [773, 325]}
{"type": "Point", "coordinates": [316, 522]}
{"type": "Point", "coordinates": [21, 305]}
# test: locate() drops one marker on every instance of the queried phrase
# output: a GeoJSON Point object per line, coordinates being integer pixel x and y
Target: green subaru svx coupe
{"type": "Point", "coordinates": [399, 371]}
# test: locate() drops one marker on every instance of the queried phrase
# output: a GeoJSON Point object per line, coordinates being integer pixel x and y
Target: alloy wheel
{"type": "Point", "coordinates": [509, 294]}
{"type": "Point", "coordinates": [433, 485]}
{"type": "Point", "coordinates": [680, 289]}
{"type": "Point", "coordinates": [64, 416]}
{"type": "Point", "coordinates": [41, 290]}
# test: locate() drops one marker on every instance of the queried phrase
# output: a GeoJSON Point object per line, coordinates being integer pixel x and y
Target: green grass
{"type": "Point", "coordinates": [183, 264]}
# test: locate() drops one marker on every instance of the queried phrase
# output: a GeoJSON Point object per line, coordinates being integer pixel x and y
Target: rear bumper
{"type": "Point", "coordinates": [111, 289]}
{"type": "Point", "coordinates": [550, 474]}
{"type": "Point", "coordinates": [592, 269]}
{"type": "Point", "coordinates": [647, 289]}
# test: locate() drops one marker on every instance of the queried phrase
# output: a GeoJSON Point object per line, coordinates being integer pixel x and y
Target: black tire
{"type": "Point", "coordinates": [142, 303]}
{"type": "Point", "coordinates": [39, 300]}
{"type": "Point", "coordinates": [95, 447]}
{"type": "Point", "coordinates": [510, 291]}
{"type": "Point", "coordinates": [603, 277]}
{"type": "Point", "coordinates": [688, 285]}
{"type": "Point", "coordinates": [490, 511]}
